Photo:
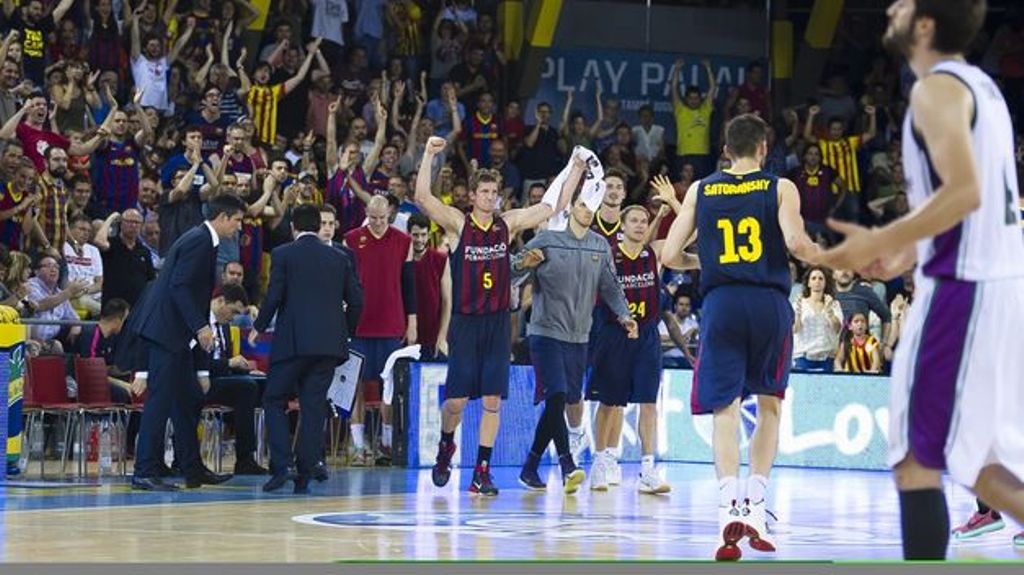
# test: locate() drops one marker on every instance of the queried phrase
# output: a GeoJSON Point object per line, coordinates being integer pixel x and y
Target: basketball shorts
{"type": "Point", "coordinates": [746, 335]}
{"type": "Point", "coordinates": [375, 351]}
{"type": "Point", "coordinates": [625, 370]}
{"type": "Point", "coordinates": [956, 393]}
{"type": "Point", "coordinates": [558, 367]}
{"type": "Point", "coordinates": [479, 354]}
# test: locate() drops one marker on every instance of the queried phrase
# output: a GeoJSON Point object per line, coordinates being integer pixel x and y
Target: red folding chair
{"type": "Point", "coordinates": [46, 393]}
{"type": "Point", "coordinates": [95, 399]}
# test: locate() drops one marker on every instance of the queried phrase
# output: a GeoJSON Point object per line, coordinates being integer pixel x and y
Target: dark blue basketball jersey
{"type": "Point", "coordinates": [740, 241]}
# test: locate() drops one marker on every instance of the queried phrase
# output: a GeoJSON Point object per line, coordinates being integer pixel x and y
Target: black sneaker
{"type": "Point", "coordinates": [530, 479]}
{"type": "Point", "coordinates": [482, 483]}
{"type": "Point", "coordinates": [442, 470]}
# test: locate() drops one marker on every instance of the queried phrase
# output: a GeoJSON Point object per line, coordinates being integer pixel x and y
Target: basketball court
{"type": "Point", "coordinates": [389, 514]}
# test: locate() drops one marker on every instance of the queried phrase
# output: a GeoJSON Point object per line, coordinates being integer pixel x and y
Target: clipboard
{"type": "Point", "coordinates": [342, 393]}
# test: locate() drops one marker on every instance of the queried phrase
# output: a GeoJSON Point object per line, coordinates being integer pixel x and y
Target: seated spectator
{"type": "Point", "coordinates": [680, 349]}
{"type": "Point", "coordinates": [85, 265]}
{"type": "Point", "coordinates": [53, 304]}
{"type": "Point", "coordinates": [817, 323]}
{"type": "Point", "coordinates": [100, 340]}
{"type": "Point", "coordinates": [18, 270]}
{"type": "Point", "coordinates": [859, 351]}
{"type": "Point", "coordinates": [859, 297]}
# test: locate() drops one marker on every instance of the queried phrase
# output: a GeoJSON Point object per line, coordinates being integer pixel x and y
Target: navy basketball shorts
{"type": "Point", "coordinates": [375, 351]}
{"type": "Point", "coordinates": [558, 367]}
{"type": "Point", "coordinates": [746, 346]}
{"type": "Point", "coordinates": [626, 370]}
{"type": "Point", "coordinates": [479, 354]}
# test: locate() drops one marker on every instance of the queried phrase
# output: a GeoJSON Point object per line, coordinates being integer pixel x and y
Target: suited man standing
{"type": "Point", "coordinates": [317, 299]}
{"type": "Point", "coordinates": [174, 318]}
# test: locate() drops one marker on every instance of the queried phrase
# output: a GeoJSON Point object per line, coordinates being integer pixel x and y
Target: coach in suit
{"type": "Point", "coordinates": [316, 296]}
{"type": "Point", "coordinates": [173, 318]}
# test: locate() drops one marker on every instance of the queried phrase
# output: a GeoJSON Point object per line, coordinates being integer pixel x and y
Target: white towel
{"type": "Point", "coordinates": [411, 351]}
{"type": "Point", "coordinates": [592, 192]}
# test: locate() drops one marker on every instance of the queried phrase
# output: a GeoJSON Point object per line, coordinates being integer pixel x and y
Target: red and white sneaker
{"type": "Point", "coordinates": [979, 524]}
{"type": "Point", "coordinates": [733, 530]}
{"type": "Point", "coordinates": [482, 483]}
{"type": "Point", "coordinates": [1018, 540]}
{"type": "Point", "coordinates": [755, 515]}
{"type": "Point", "coordinates": [442, 470]}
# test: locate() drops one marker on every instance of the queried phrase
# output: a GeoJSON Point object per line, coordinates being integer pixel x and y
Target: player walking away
{"type": "Point", "coordinates": [629, 370]}
{"type": "Point", "coordinates": [956, 394]}
{"type": "Point", "coordinates": [569, 268]}
{"type": "Point", "coordinates": [479, 335]}
{"type": "Point", "coordinates": [745, 219]}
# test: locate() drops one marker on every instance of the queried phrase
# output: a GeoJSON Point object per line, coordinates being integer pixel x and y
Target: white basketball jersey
{"type": "Point", "coordinates": [987, 244]}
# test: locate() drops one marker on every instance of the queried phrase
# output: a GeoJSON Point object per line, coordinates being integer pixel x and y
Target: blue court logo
{"type": "Point", "coordinates": [665, 528]}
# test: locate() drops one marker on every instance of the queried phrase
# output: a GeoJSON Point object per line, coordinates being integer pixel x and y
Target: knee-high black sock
{"type": "Point", "coordinates": [554, 409]}
{"type": "Point", "coordinates": [924, 519]}
{"type": "Point", "coordinates": [559, 431]}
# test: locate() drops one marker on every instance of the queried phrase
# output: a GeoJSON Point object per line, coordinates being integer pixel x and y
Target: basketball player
{"type": "Point", "coordinates": [607, 224]}
{"type": "Point", "coordinates": [629, 370]}
{"type": "Point", "coordinates": [569, 268]}
{"type": "Point", "coordinates": [745, 219]}
{"type": "Point", "coordinates": [479, 335]}
{"type": "Point", "coordinates": [956, 394]}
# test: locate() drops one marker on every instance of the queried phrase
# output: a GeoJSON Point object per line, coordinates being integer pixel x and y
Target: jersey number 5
{"type": "Point", "coordinates": [488, 280]}
{"type": "Point", "coordinates": [750, 251]}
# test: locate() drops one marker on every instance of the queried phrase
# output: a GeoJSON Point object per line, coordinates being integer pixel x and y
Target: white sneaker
{"type": "Point", "coordinates": [732, 529]}
{"type": "Point", "coordinates": [651, 482]}
{"type": "Point", "coordinates": [578, 443]}
{"type": "Point", "coordinates": [614, 472]}
{"type": "Point", "coordinates": [599, 475]}
{"type": "Point", "coordinates": [755, 516]}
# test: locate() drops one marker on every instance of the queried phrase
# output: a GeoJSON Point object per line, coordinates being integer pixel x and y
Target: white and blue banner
{"type": "Point", "coordinates": [634, 78]}
{"type": "Point", "coordinates": [830, 421]}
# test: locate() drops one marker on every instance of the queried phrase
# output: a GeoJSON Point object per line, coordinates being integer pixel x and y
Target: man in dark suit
{"type": "Point", "coordinates": [173, 319]}
{"type": "Point", "coordinates": [233, 378]}
{"type": "Point", "coordinates": [317, 299]}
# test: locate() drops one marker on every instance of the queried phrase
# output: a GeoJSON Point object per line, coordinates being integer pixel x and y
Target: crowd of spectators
{"type": "Point", "coordinates": [119, 119]}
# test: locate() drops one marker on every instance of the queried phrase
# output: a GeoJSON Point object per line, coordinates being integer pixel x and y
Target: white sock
{"type": "Point", "coordinates": [609, 453]}
{"type": "Point", "coordinates": [757, 486]}
{"type": "Point", "coordinates": [727, 491]}
{"type": "Point", "coordinates": [385, 436]}
{"type": "Point", "coordinates": [358, 441]}
{"type": "Point", "coordinates": [647, 463]}
{"type": "Point", "coordinates": [576, 430]}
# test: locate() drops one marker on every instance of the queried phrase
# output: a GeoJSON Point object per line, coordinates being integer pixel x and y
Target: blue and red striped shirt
{"type": "Point", "coordinates": [116, 176]}
{"type": "Point", "coordinates": [481, 268]}
{"type": "Point", "coordinates": [610, 232]}
{"type": "Point", "coordinates": [638, 276]}
{"type": "Point", "coordinates": [341, 195]}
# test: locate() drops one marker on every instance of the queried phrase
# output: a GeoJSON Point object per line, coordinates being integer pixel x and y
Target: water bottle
{"type": "Point", "coordinates": [36, 449]}
{"type": "Point", "coordinates": [106, 445]}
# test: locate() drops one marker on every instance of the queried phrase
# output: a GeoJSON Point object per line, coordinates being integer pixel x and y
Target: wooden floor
{"type": "Point", "coordinates": [398, 514]}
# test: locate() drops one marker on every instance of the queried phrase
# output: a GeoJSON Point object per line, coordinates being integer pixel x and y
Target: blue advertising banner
{"type": "Point", "coordinates": [634, 78]}
{"type": "Point", "coordinates": [830, 421]}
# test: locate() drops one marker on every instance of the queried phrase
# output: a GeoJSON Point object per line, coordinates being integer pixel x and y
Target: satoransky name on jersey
{"type": "Point", "coordinates": [726, 189]}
